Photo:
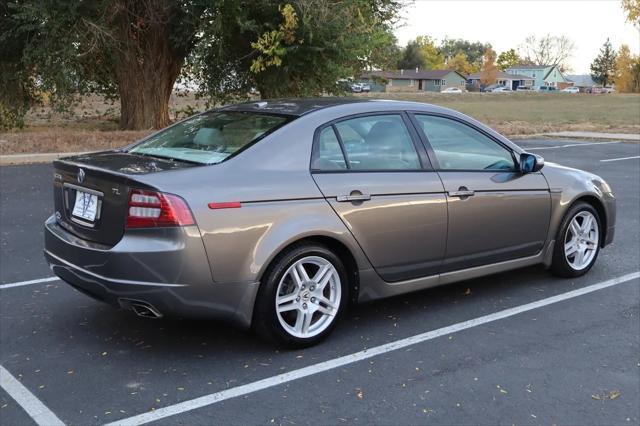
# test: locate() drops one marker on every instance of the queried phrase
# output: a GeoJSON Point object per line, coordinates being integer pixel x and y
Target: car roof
{"type": "Point", "coordinates": [301, 106]}
{"type": "Point", "coordinates": [292, 106]}
{"type": "Point", "coordinates": [334, 108]}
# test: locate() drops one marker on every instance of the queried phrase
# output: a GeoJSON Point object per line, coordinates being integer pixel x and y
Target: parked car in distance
{"type": "Point", "coordinates": [489, 88]}
{"type": "Point", "coordinates": [356, 88]}
{"type": "Point", "coordinates": [523, 89]}
{"type": "Point", "coordinates": [571, 89]}
{"type": "Point", "coordinates": [608, 90]}
{"type": "Point", "coordinates": [545, 89]}
{"type": "Point", "coordinates": [452, 90]}
{"type": "Point", "coordinates": [278, 214]}
{"type": "Point", "coordinates": [360, 87]}
{"type": "Point", "coordinates": [501, 89]}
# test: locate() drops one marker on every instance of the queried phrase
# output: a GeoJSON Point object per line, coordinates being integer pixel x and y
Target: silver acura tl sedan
{"type": "Point", "coordinates": [278, 214]}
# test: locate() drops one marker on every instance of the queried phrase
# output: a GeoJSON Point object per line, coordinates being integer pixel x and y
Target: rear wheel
{"type": "Point", "coordinates": [302, 296]}
{"type": "Point", "coordinates": [578, 241]}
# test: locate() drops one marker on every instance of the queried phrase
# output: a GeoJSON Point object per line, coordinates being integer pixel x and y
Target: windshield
{"type": "Point", "coordinates": [211, 137]}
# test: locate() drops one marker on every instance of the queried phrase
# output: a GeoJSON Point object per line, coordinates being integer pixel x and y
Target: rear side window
{"type": "Point", "coordinates": [372, 143]}
{"type": "Point", "coordinates": [460, 147]}
{"type": "Point", "coordinates": [211, 137]}
{"type": "Point", "coordinates": [329, 154]}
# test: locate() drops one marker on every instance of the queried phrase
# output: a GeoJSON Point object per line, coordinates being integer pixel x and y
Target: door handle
{"type": "Point", "coordinates": [353, 197]}
{"type": "Point", "coordinates": [462, 192]}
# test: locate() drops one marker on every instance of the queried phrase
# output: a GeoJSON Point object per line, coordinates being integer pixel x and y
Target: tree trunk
{"type": "Point", "coordinates": [145, 86]}
{"type": "Point", "coordinates": [146, 67]}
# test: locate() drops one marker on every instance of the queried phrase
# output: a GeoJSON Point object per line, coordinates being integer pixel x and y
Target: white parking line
{"type": "Point", "coordinates": [620, 159]}
{"type": "Point", "coordinates": [21, 283]}
{"type": "Point", "coordinates": [570, 145]}
{"type": "Point", "coordinates": [28, 401]}
{"type": "Point", "coordinates": [259, 385]}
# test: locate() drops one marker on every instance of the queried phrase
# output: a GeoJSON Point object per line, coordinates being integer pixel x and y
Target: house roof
{"type": "Point", "coordinates": [581, 80]}
{"type": "Point", "coordinates": [413, 74]}
{"type": "Point", "coordinates": [529, 67]}
{"type": "Point", "coordinates": [502, 75]}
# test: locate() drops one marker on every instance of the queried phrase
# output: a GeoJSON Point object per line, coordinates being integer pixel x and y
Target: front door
{"type": "Point", "coordinates": [375, 175]}
{"type": "Point", "coordinates": [495, 212]}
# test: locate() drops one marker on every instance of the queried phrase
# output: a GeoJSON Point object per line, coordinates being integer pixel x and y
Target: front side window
{"type": "Point", "coordinates": [211, 137]}
{"type": "Point", "coordinates": [460, 147]}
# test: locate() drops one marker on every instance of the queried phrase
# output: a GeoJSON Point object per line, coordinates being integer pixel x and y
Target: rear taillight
{"type": "Point", "coordinates": [150, 209]}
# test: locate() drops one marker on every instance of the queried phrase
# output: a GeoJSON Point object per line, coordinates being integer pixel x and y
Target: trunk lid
{"type": "Point", "coordinates": [104, 178]}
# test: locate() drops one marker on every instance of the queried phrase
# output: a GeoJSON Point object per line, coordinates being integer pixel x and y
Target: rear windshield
{"type": "Point", "coordinates": [211, 137]}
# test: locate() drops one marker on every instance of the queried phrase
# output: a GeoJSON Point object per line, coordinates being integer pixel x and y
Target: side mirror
{"type": "Point", "coordinates": [530, 163]}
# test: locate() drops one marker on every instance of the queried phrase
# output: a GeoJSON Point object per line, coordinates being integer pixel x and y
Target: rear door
{"type": "Point", "coordinates": [496, 213]}
{"type": "Point", "coordinates": [376, 176]}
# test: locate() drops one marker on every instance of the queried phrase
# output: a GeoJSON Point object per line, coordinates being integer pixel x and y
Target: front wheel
{"type": "Point", "coordinates": [578, 241]}
{"type": "Point", "coordinates": [301, 296]}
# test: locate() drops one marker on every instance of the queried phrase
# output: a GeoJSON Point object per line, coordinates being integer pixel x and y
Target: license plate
{"type": "Point", "coordinates": [86, 206]}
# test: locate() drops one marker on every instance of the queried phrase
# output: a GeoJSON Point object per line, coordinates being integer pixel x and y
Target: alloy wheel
{"type": "Point", "coordinates": [581, 240]}
{"type": "Point", "coordinates": [308, 297]}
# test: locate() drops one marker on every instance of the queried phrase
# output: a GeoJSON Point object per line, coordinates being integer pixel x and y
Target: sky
{"type": "Point", "coordinates": [506, 23]}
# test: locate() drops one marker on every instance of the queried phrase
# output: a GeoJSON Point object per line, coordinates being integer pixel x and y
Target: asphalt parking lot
{"type": "Point", "coordinates": [573, 359]}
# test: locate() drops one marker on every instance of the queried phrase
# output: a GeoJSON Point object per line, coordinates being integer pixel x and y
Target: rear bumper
{"type": "Point", "coordinates": [166, 268]}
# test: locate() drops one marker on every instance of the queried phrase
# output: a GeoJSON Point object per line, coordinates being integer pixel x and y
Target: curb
{"type": "Point", "coordinates": [625, 137]}
{"type": "Point", "coordinates": [15, 159]}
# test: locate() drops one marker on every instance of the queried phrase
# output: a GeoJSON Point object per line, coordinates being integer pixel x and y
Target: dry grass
{"type": "Point", "coordinates": [533, 113]}
{"type": "Point", "coordinates": [94, 124]}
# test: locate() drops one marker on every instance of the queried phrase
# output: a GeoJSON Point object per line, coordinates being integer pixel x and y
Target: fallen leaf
{"type": "Point", "coordinates": [597, 397]}
{"type": "Point", "coordinates": [614, 394]}
{"type": "Point", "coordinates": [359, 393]}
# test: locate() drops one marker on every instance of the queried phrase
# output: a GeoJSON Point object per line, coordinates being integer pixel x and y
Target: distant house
{"type": "Point", "coordinates": [583, 81]}
{"type": "Point", "coordinates": [544, 75]}
{"type": "Point", "coordinates": [512, 81]}
{"type": "Point", "coordinates": [414, 80]}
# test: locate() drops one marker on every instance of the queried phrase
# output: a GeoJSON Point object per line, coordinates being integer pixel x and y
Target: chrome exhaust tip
{"type": "Point", "coordinates": [140, 308]}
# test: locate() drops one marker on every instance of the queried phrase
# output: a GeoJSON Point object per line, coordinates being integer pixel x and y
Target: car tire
{"type": "Point", "coordinates": [573, 242]}
{"type": "Point", "coordinates": [311, 312]}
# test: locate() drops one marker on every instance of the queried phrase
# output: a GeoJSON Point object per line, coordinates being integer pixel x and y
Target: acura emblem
{"type": "Point", "coordinates": [81, 176]}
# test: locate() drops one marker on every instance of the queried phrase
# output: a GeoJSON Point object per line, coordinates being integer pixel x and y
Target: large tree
{"type": "Point", "coordinates": [604, 65]}
{"type": "Point", "coordinates": [627, 71]}
{"type": "Point", "coordinates": [632, 9]}
{"type": "Point", "coordinates": [295, 48]}
{"type": "Point", "coordinates": [489, 71]}
{"type": "Point", "coordinates": [17, 90]}
{"type": "Point", "coordinates": [132, 50]}
{"type": "Point", "coordinates": [412, 56]}
{"type": "Point", "coordinates": [548, 50]}
{"type": "Point", "coordinates": [460, 64]}
{"type": "Point", "coordinates": [422, 53]}
{"type": "Point", "coordinates": [473, 50]}
{"type": "Point", "coordinates": [507, 59]}
{"type": "Point", "coordinates": [135, 50]}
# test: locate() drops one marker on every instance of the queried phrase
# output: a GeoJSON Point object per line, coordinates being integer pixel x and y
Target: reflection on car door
{"type": "Point", "coordinates": [374, 173]}
{"type": "Point", "coordinates": [495, 212]}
